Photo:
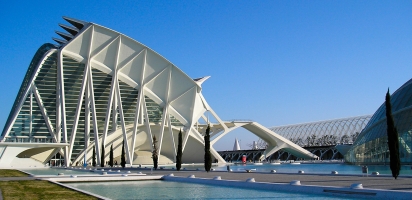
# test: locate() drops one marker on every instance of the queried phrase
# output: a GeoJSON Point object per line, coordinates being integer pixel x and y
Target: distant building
{"type": "Point", "coordinates": [236, 146]}
{"type": "Point", "coordinates": [371, 145]}
{"type": "Point", "coordinates": [324, 133]}
{"type": "Point", "coordinates": [254, 145]}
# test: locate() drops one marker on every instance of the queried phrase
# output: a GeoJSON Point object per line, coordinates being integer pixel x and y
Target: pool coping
{"type": "Point", "coordinates": [268, 186]}
{"type": "Point", "coordinates": [104, 178]}
{"type": "Point", "coordinates": [295, 187]}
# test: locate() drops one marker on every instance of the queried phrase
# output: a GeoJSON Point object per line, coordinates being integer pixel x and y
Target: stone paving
{"type": "Point", "coordinates": [340, 180]}
{"type": "Point", "coordinates": [371, 182]}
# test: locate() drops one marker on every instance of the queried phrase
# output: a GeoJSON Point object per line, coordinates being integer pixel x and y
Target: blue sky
{"type": "Point", "coordinates": [275, 62]}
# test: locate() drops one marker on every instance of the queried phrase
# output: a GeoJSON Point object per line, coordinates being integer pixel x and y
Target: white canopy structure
{"type": "Point", "coordinates": [99, 88]}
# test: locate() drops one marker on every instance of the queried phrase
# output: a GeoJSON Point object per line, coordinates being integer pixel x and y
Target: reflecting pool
{"type": "Point", "coordinates": [179, 190]}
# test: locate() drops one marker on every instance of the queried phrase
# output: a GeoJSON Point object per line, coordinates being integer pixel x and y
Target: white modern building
{"type": "Point", "coordinates": [98, 88]}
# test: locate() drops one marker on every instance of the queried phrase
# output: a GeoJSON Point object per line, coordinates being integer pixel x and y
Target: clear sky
{"type": "Point", "coordinates": [275, 62]}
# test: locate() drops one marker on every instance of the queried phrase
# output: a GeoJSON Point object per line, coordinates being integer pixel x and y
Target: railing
{"type": "Point", "coordinates": [28, 140]}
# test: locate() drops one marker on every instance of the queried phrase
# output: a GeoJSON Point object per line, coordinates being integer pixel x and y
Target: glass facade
{"type": "Point", "coordinates": [30, 124]}
{"type": "Point", "coordinates": [37, 58]}
{"type": "Point", "coordinates": [35, 112]}
{"type": "Point", "coordinates": [371, 146]}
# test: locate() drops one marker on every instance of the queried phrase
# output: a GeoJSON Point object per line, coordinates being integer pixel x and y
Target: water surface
{"type": "Point", "coordinates": [179, 190]}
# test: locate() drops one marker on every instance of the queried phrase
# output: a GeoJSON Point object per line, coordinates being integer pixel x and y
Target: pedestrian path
{"type": "Point", "coordinates": [371, 182]}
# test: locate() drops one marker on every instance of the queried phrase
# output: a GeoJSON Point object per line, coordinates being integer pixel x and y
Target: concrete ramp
{"type": "Point", "coordinates": [276, 142]}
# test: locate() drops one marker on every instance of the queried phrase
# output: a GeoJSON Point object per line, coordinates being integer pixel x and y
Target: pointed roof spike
{"type": "Point", "coordinates": [73, 31]}
{"type": "Point", "coordinates": [64, 35]}
{"type": "Point", "coordinates": [75, 22]}
{"type": "Point", "coordinates": [61, 42]}
{"type": "Point", "coordinates": [199, 81]}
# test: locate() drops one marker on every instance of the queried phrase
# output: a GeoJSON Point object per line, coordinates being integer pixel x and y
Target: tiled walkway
{"type": "Point", "coordinates": [371, 182]}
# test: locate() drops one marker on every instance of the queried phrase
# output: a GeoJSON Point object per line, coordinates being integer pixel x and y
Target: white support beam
{"type": "Point", "coordinates": [217, 132]}
{"type": "Point", "coordinates": [136, 121]}
{"type": "Point", "coordinates": [58, 130]}
{"type": "Point", "coordinates": [78, 110]}
{"type": "Point", "coordinates": [94, 117]}
{"type": "Point", "coordinates": [112, 91]}
{"type": "Point", "coordinates": [165, 110]}
{"type": "Point", "coordinates": [186, 133]}
{"type": "Point", "coordinates": [147, 123]}
{"type": "Point", "coordinates": [140, 102]}
{"type": "Point", "coordinates": [213, 112]}
{"type": "Point", "coordinates": [217, 138]}
{"type": "Point", "coordinates": [87, 119]}
{"type": "Point", "coordinates": [91, 97]}
{"type": "Point", "coordinates": [31, 113]}
{"type": "Point", "coordinates": [63, 106]}
{"type": "Point", "coordinates": [162, 127]}
{"type": "Point", "coordinates": [169, 123]}
{"type": "Point", "coordinates": [109, 108]}
{"type": "Point", "coordinates": [119, 100]}
{"type": "Point", "coordinates": [43, 111]}
{"type": "Point", "coordinates": [271, 150]}
{"type": "Point", "coordinates": [115, 108]}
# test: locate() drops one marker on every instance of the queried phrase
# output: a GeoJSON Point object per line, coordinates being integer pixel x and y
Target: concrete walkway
{"type": "Point", "coordinates": [371, 182]}
{"type": "Point", "coordinates": [374, 186]}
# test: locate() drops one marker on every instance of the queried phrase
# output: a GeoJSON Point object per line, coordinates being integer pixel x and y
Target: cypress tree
{"type": "Point", "coordinates": [122, 157]}
{"type": "Point", "coordinates": [179, 152]}
{"type": "Point", "coordinates": [94, 157]}
{"type": "Point", "coordinates": [208, 156]}
{"type": "Point", "coordinates": [111, 156]}
{"type": "Point", "coordinates": [102, 157]}
{"type": "Point", "coordinates": [393, 139]}
{"type": "Point", "coordinates": [154, 153]}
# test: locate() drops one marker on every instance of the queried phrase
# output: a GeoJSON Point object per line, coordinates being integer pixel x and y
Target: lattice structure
{"type": "Point", "coordinates": [99, 88]}
{"type": "Point", "coordinates": [323, 133]}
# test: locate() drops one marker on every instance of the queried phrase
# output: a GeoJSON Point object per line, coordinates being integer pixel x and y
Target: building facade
{"type": "Point", "coordinates": [371, 146]}
{"type": "Point", "coordinates": [99, 88]}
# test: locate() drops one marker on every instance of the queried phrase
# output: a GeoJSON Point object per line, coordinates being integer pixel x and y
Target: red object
{"type": "Point", "coordinates": [244, 158]}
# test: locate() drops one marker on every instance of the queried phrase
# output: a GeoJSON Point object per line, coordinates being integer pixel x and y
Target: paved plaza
{"type": "Point", "coordinates": [370, 182]}
{"type": "Point", "coordinates": [385, 182]}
